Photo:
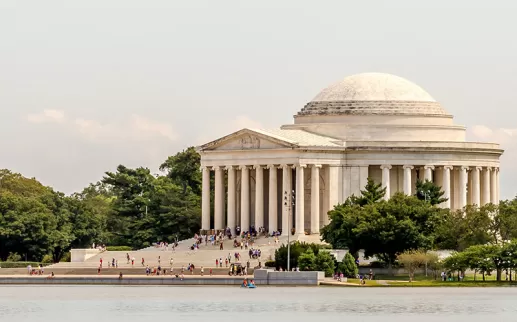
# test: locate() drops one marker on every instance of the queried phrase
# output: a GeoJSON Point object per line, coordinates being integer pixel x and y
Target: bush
{"type": "Point", "coordinates": [14, 257]}
{"type": "Point", "coordinates": [47, 259]}
{"type": "Point", "coordinates": [119, 248]}
{"type": "Point", "coordinates": [325, 262]}
{"type": "Point", "coordinates": [348, 266]}
{"type": "Point", "coordinates": [270, 264]}
{"type": "Point", "coordinates": [297, 249]}
{"type": "Point", "coordinates": [19, 264]}
{"type": "Point", "coordinates": [307, 261]}
{"type": "Point", "coordinates": [67, 257]}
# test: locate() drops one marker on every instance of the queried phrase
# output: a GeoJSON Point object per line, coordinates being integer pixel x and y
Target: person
{"type": "Point", "coordinates": [120, 276]}
{"type": "Point", "coordinates": [245, 283]}
{"type": "Point", "coordinates": [202, 270]}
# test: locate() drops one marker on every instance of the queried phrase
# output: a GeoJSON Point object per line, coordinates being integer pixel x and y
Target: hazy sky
{"type": "Point", "coordinates": [87, 85]}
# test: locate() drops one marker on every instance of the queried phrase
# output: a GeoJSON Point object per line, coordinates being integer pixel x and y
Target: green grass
{"type": "Point", "coordinates": [429, 281]}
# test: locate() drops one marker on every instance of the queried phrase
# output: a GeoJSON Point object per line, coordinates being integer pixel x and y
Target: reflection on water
{"type": "Point", "coordinates": [112, 303]}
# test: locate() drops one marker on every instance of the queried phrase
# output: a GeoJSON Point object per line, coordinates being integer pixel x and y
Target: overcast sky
{"type": "Point", "coordinates": [87, 85]}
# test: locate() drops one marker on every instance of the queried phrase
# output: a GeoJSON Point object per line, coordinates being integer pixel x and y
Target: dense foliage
{"type": "Point", "coordinates": [348, 266]}
{"type": "Point", "coordinates": [382, 228]}
{"type": "Point", "coordinates": [485, 259]}
{"type": "Point", "coordinates": [128, 207]}
{"type": "Point", "coordinates": [395, 229]}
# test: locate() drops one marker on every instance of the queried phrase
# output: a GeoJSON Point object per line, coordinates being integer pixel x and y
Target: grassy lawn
{"type": "Point", "coordinates": [429, 281]}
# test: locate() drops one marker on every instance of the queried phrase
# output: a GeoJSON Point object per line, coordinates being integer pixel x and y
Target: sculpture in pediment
{"type": "Point", "coordinates": [250, 142]}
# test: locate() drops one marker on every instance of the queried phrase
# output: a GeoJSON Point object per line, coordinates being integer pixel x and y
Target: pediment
{"type": "Point", "coordinates": [247, 140]}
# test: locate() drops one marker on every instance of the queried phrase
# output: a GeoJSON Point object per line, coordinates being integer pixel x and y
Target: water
{"type": "Point", "coordinates": [229, 304]}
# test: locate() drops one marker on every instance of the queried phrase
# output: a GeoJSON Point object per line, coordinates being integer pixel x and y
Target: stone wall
{"type": "Point", "coordinates": [81, 255]}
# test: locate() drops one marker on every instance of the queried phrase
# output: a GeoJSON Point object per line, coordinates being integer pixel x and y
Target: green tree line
{"type": "Point", "coordinates": [387, 228]}
{"type": "Point", "coordinates": [128, 207]}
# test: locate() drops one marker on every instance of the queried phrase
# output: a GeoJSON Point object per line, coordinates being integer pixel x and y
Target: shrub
{"type": "Point", "coordinates": [325, 262]}
{"type": "Point", "coordinates": [307, 261]}
{"type": "Point", "coordinates": [14, 257]}
{"type": "Point", "coordinates": [19, 264]}
{"type": "Point", "coordinates": [119, 248]}
{"type": "Point", "coordinates": [348, 266]}
{"type": "Point", "coordinates": [47, 259]}
{"type": "Point", "coordinates": [66, 257]}
{"type": "Point", "coordinates": [297, 249]}
{"type": "Point", "coordinates": [270, 263]}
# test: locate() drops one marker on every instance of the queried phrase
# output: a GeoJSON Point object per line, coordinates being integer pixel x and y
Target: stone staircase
{"type": "Point", "coordinates": [182, 256]}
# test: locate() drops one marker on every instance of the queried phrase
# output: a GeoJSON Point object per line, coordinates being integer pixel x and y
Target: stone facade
{"type": "Point", "coordinates": [391, 142]}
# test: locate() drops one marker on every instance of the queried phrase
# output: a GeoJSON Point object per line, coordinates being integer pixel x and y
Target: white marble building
{"type": "Point", "coordinates": [367, 125]}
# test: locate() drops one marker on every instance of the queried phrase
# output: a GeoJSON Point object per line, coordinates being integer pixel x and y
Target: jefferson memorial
{"type": "Point", "coordinates": [367, 125]}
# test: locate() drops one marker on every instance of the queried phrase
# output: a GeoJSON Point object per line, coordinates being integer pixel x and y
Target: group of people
{"type": "Point", "coordinates": [101, 248]}
{"type": "Point", "coordinates": [246, 283]}
{"type": "Point", "coordinates": [165, 246]}
{"type": "Point", "coordinates": [111, 264]}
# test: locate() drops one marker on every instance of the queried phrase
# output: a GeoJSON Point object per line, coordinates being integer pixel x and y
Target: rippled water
{"type": "Point", "coordinates": [133, 303]}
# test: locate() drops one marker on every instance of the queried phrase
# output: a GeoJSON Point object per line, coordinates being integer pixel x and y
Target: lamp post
{"type": "Point", "coordinates": [289, 202]}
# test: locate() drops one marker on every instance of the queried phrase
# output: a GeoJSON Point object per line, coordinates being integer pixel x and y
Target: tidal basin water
{"type": "Point", "coordinates": [133, 303]}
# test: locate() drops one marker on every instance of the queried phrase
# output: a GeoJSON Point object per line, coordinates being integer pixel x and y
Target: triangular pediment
{"type": "Point", "coordinates": [247, 139]}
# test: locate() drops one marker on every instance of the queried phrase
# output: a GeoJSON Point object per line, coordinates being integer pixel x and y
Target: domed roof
{"type": "Point", "coordinates": [373, 93]}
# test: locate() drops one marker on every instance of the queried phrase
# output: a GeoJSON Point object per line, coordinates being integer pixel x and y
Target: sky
{"type": "Point", "coordinates": [88, 85]}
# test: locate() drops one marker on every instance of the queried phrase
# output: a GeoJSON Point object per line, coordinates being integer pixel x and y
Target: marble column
{"type": "Point", "coordinates": [428, 173]}
{"type": "Point", "coordinates": [232, 194]}
{"type": "Point", "coordinates": [286, 202]}
{"type": "Point", "coordinates": [463, 187]}
{"type": "Point", "coordinates": [300, 198]}
{"type": "Point", "coordinates": [259, 197]}
{"type": "Point", "coordinates": [219, 199]}
{"type": "Point", "coordinates": [315, 199]}
{"type": "Point", "coordinates": [205, 201]}
{"type": "Point", "coordinates": [407, 179]}
{"type": "Point", "coordinates": [447, 186]}
{"type": "Point", "coordinates": [245, 198]}
{"type": "Point", "coordinates": [273, 202]}
{"type": "Point", "coordinates": [386, 180]}
{"type": "Point", "coordinates": [476, 185]}
{"type": "Point", "coordinates": [493, 186]}
{"type": "Point", "coordinates": [485, 194]}
{"type": "Point", "coordinates": [497, 187]}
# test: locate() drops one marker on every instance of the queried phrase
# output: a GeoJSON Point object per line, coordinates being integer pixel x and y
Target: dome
{"type": "Point", "coordinates": [371, 94]}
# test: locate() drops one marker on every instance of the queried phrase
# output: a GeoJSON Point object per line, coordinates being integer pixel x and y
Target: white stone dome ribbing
{"type": "Point", "coordinates": [371, 94]}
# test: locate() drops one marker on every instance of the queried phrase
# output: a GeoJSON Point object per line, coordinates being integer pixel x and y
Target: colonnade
{"type": "Point", "coordinates": [462, 185]}
{"type": "Point", "coordinates": [273, 198]}
{"type": "Point", "coordinates": [484, 185]}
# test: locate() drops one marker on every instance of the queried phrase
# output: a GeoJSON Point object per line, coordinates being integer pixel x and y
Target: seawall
{"type": "Point", "coordinates": [261, 277]}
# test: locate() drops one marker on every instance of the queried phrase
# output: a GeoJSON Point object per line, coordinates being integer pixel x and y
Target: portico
{"type": "Point", "coordinates": [368, 126]}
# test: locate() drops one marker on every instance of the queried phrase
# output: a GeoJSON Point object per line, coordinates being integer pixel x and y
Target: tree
{"type": "Point", "coordinates": [348, 266]}
{"type": "Point", "coordinates": [344, 218]}
{"type": "Point", "coordinates": [307, 261]}
{"type": "Point", "coordinates": [297, 249]}
{"type": "Point", "coordinates": [412, 260]}
{"type": "Point", "coordinates": [183, 169]}
{"type": "Point", "coordinates": [389, 228]}
{"type": "Point", "coordinates": [430, 192]}
{"type": "Point", "coordinates": [505, 219]}
{"type": "Point", "coordinates": [372, 193]}
{"type": "Point", "coordinates": [433, 263]}
{"type": "Point", "coordinates": [461, 229]}
{"type": "Point", "coordinates": [457, 262]}
{"type": "Point", "coordinates": [325, 262]}
{"type": "Point", "coordinates": [477, 258]}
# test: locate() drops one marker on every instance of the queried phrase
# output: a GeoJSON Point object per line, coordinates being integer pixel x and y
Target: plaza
{"type": "Point", "coordinates": [369, 125]}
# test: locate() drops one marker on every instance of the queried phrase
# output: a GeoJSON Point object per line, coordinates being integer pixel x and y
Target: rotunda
{"type": "Point", "coordinates": [369, 125]}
